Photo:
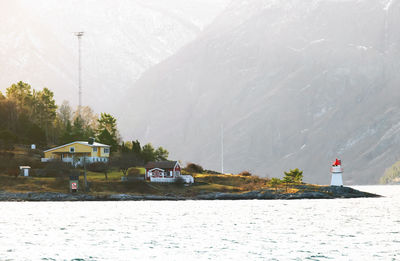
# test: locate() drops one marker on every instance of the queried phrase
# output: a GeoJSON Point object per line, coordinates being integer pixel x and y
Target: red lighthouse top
{"type": "Point", "coordinates": [337, 162]}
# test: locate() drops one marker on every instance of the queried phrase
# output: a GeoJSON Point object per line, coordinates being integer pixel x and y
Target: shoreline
{"type": "Point", "coordinates": [331, 192]}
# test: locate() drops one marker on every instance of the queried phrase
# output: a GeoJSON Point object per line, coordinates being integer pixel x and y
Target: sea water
{"type": "Point", "coordinates": [335, 229]}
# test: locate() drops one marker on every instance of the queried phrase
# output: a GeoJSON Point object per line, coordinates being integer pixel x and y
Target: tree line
{"type": "Point", "coordinates": [29, 116]}
{"type": "Point", "coordinates": [32, 116]}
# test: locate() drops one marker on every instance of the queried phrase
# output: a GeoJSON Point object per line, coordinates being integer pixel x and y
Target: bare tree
{"type": "Point", "coordinates": [103, 167]}
{"type": "Point", "coordinates": [126, 161]}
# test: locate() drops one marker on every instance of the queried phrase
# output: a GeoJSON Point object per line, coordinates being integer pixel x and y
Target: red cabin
{"type": "Point", "coordinates": [163, 170]}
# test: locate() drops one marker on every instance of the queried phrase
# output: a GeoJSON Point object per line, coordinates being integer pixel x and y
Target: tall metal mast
{"type": "Point", "coordinates": [79, 35]}
{"type": "Point", "coordinates": [222, 148]}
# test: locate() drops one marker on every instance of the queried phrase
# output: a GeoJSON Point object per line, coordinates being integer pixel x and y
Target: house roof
{"type": "Point", "coordinates": [95, 144]}
{"type": "Point", "coordinates": [161, 164]}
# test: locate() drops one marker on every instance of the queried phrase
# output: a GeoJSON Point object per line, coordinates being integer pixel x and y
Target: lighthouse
{"type": "Point", "coordinates": [337, 171]}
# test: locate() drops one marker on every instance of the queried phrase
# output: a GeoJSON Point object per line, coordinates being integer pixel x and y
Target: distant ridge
{"type": "Point", "coordinates": [295, 84]}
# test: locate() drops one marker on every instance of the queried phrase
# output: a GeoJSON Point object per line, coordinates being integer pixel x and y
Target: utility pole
{"type": "Point", "coordinates": [222, 148]}
{"type": "Point", "coordinates": [85, 175]}
{"type": "Point", "coordinates": [79, 35]}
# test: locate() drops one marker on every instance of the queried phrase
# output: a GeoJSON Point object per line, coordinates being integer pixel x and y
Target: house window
{"type": "Point", "coordinates": [106, 150]}
{"type": "Point", "coordinates": [72, 149]}
{"type": "Point", "coordinates": [95, 149]}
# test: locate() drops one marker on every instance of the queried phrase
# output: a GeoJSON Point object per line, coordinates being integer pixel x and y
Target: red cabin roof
{"type": "Point", "coordinates": [161, 164]}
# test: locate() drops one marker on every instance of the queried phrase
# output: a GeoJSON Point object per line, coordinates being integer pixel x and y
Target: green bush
{"type": "Point", "coordinates": [207, 171]}
{"type": "Point", "coordinates": [179, 181]}
{"type": "Point", "coordinates": [134, 172]}
{"type": "Point", "coordinates": [194, 168]}
{"type": "Point", "coordinates": [245, 174]}
{"type": "Point", "coordinates": [97, 166]}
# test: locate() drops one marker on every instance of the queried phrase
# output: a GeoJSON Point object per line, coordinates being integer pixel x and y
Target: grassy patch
{"type": "Point", "coordinates": [204, 183]}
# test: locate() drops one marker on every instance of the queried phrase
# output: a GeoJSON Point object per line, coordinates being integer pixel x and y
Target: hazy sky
{"type": "Point", "coordinates": [122, 39]}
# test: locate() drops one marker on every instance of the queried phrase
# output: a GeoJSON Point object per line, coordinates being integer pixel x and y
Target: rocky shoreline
{"type": "Point", "coordinates": [322, 193]}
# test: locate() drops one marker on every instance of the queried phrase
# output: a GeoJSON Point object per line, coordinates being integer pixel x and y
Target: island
{"type": "Point", "coordinates": [207, 186]}
{"type": "Point", "coordinates": [51, 152]}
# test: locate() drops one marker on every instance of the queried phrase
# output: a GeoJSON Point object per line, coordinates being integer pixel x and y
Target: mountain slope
{"type": "Point", "coordinates": [295, 84]}
{"type": "Point", "coordinates": [122, 39]}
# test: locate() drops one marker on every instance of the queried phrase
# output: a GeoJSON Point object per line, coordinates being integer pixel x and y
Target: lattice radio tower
{"type": "Point", "coordinates": [79, 35]}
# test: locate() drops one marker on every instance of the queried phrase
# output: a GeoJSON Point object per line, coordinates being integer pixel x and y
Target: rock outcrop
{"type": "Point", "coordinates": [320, 193]}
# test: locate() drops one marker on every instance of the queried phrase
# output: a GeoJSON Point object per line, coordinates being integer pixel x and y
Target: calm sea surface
{"type": "Point", "coordinates": [340, 229]}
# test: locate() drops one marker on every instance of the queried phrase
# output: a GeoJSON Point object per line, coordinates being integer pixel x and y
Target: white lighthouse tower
{"type": "Point", "coordinates": [337, 171]}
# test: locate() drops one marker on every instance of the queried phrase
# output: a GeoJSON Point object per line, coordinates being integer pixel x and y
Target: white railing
{"type": "Point", "coordinates": [68, 160]}
{"type": "Point", "coordinates": [186, 179]}
{"type": "Point", "coordinates": [163, 180]}
{"type": "Point", "coordinates": [93, 159]}
{"type": "Point", "coordinates": [78, 161]}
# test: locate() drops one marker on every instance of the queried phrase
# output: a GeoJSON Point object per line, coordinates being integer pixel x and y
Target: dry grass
{"type": "Point", "coordinates": [235, 182]}
{"type": "Point", "coordinates": [98, 185]}
{"type": "Point", "coordinates": [29, 184]}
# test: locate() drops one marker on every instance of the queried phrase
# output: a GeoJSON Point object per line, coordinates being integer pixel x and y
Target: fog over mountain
{"type": "Point", "coordinates": [295, 84]}
{"type": "Point", "coordinates": [122, 39]}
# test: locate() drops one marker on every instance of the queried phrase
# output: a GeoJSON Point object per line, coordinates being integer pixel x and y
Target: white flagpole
{"type": "Point", "coordinates": [222, 148]}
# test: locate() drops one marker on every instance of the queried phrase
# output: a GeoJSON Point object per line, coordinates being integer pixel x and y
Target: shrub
{"type": "Point", "coordinates": [56, 168]}
{"type": "Point", "coordinates": [6, 155]}
{"type": "Point", "coordinates": [179, 181]}
{"type": "Point", "coordinates": [35, 153]}
{"type": "Point", "coordinates": [212, 172]}
{"type": "Point", "coordinates": [6, 145]}
{"type": "Point", "coordinates": [194, 168]}
{"type": "Point", "coordinates": [7, 140]}
{"type": "Point", "coordinates": [13, 172]}
{"type": "Point", "coordinates": [97, 166]}
{"type": "Point", "coordinates": [245, 174]}
{"type": "Point", "coordinates": [126, 161]}
{"type": "Point", "coordinates": [134, 175]}
{"type": "Point", "coordinates": [134, 172]}
{"type": "Point", "coordinates": [8, 163]}
{"type": "Point", "coordinates": [275, 182]}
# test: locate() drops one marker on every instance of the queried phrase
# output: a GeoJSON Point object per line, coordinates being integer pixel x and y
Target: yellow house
{"type": "Point", "coordinates": [78, 152]}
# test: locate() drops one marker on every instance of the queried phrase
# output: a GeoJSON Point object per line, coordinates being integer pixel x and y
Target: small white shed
{"type": "Point", "coordinates": [24, 170]}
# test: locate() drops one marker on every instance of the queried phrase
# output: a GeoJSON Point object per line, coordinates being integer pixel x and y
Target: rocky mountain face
{"type": "Point", "coordinates": [294, 84]}
{"type": "Point", "coordinates": [122, 39]}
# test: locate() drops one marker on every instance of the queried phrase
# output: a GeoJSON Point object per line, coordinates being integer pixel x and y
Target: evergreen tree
{"type": "Point", "coordinates": [44, 109]}
{"type": "Point", "coordinates": [21, 94]}
{"type": "Point", "coordinates": [161, 154]}
{"type": "Point", "coordinates": [107, 131]}
{"type": "Point", "coordinates": [148, 153]}
{"type": "Point", "coordinates": [66, 133]}
{"type": "Point", "coordinates": [136, 148]}
{"type": "Point", "coordinates": [275, 183]}
{"type": "Point", "coordinates": [77, 131]}
{"type": "Point", "coordinates": [294, 176]}
{"type": "Point", "coordinates": [126, 147]}
{"type": "Point", "coordinates": [106, 138]}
